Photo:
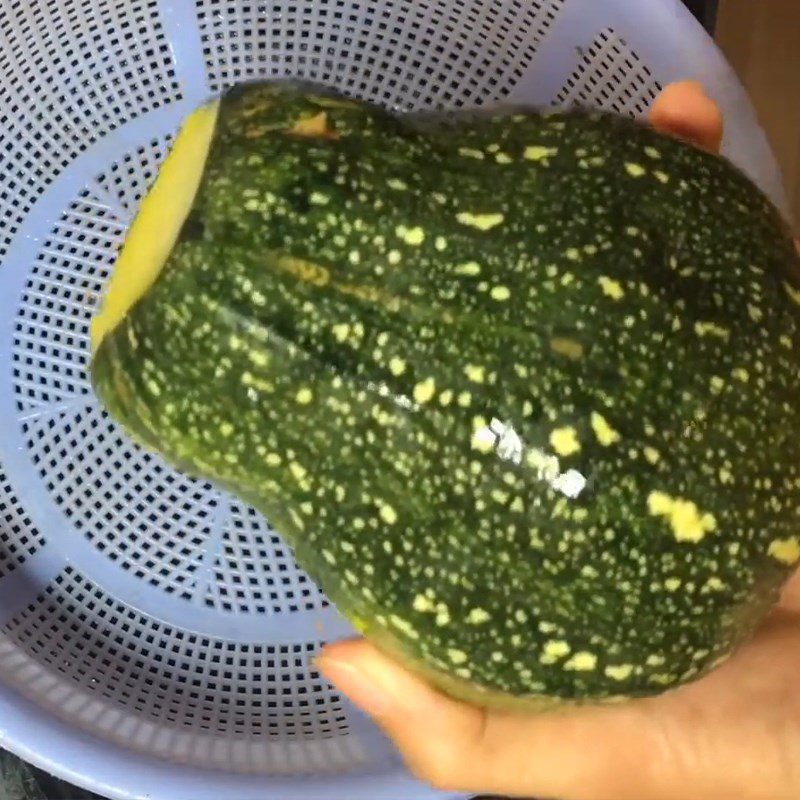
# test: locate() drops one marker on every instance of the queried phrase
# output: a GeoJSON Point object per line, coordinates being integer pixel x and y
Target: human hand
{"type": "Point", "coordinates": [735, 735]}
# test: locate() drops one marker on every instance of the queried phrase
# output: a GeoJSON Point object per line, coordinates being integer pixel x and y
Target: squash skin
{"type": "Point", "coordinates": [518, 390]}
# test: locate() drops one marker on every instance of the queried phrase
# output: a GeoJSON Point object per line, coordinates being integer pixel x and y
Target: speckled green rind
{"type": "Point", "coordinates": [521, 393]}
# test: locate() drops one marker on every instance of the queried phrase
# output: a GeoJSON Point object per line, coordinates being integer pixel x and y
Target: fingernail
{"type": "Point", "coordinates": [357, 685]}
{"type": "Point", "coordinates": [698, 86]}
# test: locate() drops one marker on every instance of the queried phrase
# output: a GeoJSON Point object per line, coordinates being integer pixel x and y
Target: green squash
{"type": "Point", "coordinates": [520, 389]}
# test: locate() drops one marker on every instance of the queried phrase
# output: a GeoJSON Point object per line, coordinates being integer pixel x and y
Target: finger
{"type": "Point", "coordinates": [790, 598]}
{"type": "Point", "coordinates": [432, 732]}
{"type": "Point", "coordinates": [598, 753]}
{"type": "Point", "coordinates": [686, 111]}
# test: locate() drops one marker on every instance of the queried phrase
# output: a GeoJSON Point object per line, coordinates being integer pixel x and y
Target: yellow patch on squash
{"type": "Point", "coordinates": [688, 523]}
{"type": "Point", "coordinates": [158, 222]}
{"type": "Point", "coordinates": [787, 551]}
{"type": "Point", "coordinates": [313, 127]}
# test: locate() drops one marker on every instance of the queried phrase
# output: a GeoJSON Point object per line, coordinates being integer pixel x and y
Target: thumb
{"type": "Point", "coordinates": [583, 754]}
{"type": "Point", "coordinates": [432, 731]}
{"type": "Point", "coordinates": [684, 110]}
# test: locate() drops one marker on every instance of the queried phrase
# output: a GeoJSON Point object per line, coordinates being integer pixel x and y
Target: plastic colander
{"type": "Point", "coordinates": [155, 633]}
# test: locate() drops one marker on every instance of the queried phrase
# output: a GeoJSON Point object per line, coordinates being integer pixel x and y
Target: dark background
{"type": "Point", "coordinates": [705, 11]}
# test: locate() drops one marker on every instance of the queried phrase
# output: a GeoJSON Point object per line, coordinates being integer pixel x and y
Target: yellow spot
{"type": "Point", "coordinates": [249, 380]}
{"type": "Point", "coordinates": [226, 429]}
{"type": "Point", "coordinates": [464, 399]}
{"type": "Point", "coordinates": [298, 471]}
{"type": "Point", "coordinates": [457, 656]}
{"type": "Point", "coordinates": [423, 604]}
{"type": "Point", "coordinates": [404, 625]}
{"type": "Point", "coordinates": [446, 397]}
{"type": "Point", "coordinates": [304, 270]}
{"type": "Point", "coordinates": [619, 673]}
{"type": "Point", "coordinates": [341, 331]}
{"type": "Point", "coordinates": [424, 391]}
{"type": "Point", "coordinates": [483, 439]}
{"type": "Point", "coordinates": [663, 679]}
{"type": "Point", "coordinates": [712, 329]}
{"type": "Point", "coordinates": [741, 374]}
{"type": "Point", "coordinates": [383, 417]}
{"type": "Point", "coordinates": [499, 496]}
{"type": "Point", "coordinates": [652, 455]}
{"type": "Point", "coordinates": [611, 288]}
{"type": "Point", "coordinates": [661, 176]}
{"type": "Point", "coordinates": [573, 254]}
{"type": "Point", "coordinates": [580, 514]}
{"type": "Point", "coordinates": [477, 616]}
{"type": "Point", "coordinates": [483, 222]}
{"type": "Point", "coordinates": [397, 184]}
{"type": "Point", "coordinates": [555, 648]}
{"type": "Point", "coordinates": [500, 293]}
{"type": "Point", "coordinates": [636, 170]}
{"type": "Point", "coordinates": [565, 441]}
{"type": "Point", "coordinates": [412, 236]}
{"type": "Point", "coordinates": [794, 294]}
{"type": "Point", "coordinates": [567, 347]}
{"type": "Point", "coordinates": [503, 158]}
{"type": "Point", "coordinates": [314, 126]}
{"type": "Point", "coordinates": [273, 459]}
{"type": "Point", "coordinates": [581, 662]}
{"type": "Point", "coordinates": [470, 268]}
{"type": "Point", "coordinates": [655, 660]}
{"type": "Point", "coordinates": [787, 551]}
{"type": "Point", "coordinates": [468, 152]}
{"type": "Point", "coordinates": [756, 314]}
{"type": "Point", "coordinates": [387, 513]}
{"type": "Point", "coordinates": [725, 476]}
{"type": "Point", "coordinates": [687, 522]}
{"type": "Point", "coordinates": [318, 199]}
{"type": "Point", "coordinates": [717, 384]}
{"type": "Point", "coordinates": [394, 257]}
{"type": "Point", "coordinates": [475, 373]}
{"type": "Point", "coordinates": [304, 396]}
{"type": "Point", "coordinates": [714, 584]}
{"type": "Point", "coordinates": [539, 153]}
{"type": "Point", "coordinates": [440, 244]}
{"type": "Point", "coordinates": [397, 366]}
{"type": "Point", "coordinates": [672, 584]}
{"type": "Point", "coordinates": [605, 434]}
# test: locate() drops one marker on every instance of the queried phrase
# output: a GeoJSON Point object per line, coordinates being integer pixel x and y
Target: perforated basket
{"type": "Point", "coordinates": [155, 633]}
